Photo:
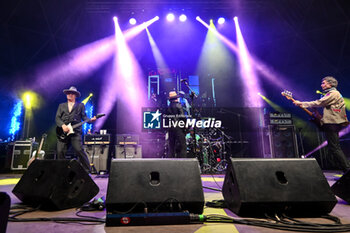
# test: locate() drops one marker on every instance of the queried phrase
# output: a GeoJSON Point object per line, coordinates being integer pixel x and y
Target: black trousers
{"type": "Point", "coordinates": [334, 150]}
{"type": "Point", "coordinates": [177, 143]}
{"type": "Point", "coordinates": [76, 142]}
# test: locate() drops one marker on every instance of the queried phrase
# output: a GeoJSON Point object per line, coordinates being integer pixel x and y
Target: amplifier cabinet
{"type": "Point", "coordinates": [283, 141]}
{"type": "Point", "coordinates": [128, 151]}
{"type": "Point", "coordinates": [22, 151]}
{"type": "Point", "coordinates": [98, 155]}
{"type": "Point", "coordinates": [97, 139]}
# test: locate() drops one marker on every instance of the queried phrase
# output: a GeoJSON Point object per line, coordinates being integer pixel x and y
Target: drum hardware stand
{"type": "Point", "coordinates": [222, 165]}
{"type": "Point", "coordinates": [211, 160]}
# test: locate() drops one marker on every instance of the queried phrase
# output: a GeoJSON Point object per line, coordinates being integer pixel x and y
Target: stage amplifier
{"type": "Point", "coordinates": [278, 119]}
{"type": "Point", "coordinates": [127, 139]}
{"type": "Point", "coordinates": [128, 151]}
{"type": "Point", "coordinates": [97, 139]}
{"type": "Point", "coordinates": [98, 155]}
{"type": "Point", "coordinates": [21, 154]}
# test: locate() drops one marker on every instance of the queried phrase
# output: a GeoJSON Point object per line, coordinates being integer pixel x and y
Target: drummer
{"type": "Point", "coordinates": [189, 136]}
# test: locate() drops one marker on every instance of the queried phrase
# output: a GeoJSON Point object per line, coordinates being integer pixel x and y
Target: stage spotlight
{"type": "Point", "coordinates": [235, 18]}
{"type": "Point", "coordinates": [132, 21]}
{"type": "Point", "coordinates": [30, 100]}
{"type": "Point", "coordinates": [198, 18]}
{"type": "Point", "coordinates": [183, 18]}
{"type": "Point", "coordinates": [170, 17]}
{"type": "Point", "coordinates": [115, 18]}
{"type": "Point", "coordinates": [87, 98]}
{"type": "Point", "coordinates": [221, 20]}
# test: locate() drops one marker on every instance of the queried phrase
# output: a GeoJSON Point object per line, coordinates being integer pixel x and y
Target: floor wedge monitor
{"type": "Point", "coordinates": [55, 185]}
{"type": "Point", "coordinates": [341, 188]}
{"type": "Point", "coordinates": [154, 186]}
{"type": "Point", "coordinates": [295, 187]}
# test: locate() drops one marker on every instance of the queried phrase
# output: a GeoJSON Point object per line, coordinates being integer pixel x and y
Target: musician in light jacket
{"type": "Point", "coordinates": [72, 112]}
{"type": "Point", "coordinates": [333, 119]}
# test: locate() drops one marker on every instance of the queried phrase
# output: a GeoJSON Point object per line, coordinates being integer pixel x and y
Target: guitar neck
{"type": "Point", "coordinates": [80, 124]}
{"type": "Point", "coordinates": [83, 122]}
{"type": "Point", "coordinates": [41, 144]}
{"type": "Point", "coordinates": [305, 109]}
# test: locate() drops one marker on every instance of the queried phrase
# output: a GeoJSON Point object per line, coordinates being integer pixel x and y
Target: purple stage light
{"type": "Point", "coordinates": [78, 64]}
{"type": "Point", "coordinates": [279, 80]}
{"type": "Point", "coordinates": [235, 18]}
{"type": "Point", "coordinates": [132, 21]}
{"type": "Point", "coordinates": [342, 133]}
{"type": "Point", "coordinates": [226, 41]}
{"type": "Point", "coordinates": [124, 84]}
{"type": "Point", "coordinates": [250, 80]}
{"type": "Point", "coordinates": [170, 17]}
{"type": "Point", "coordinates": [115, 18]}
{"type": "Point", "coordinates": [71, 67]}
{"type": "Point", "coordinates": [221, 20]}
{"type": "Point", "coordinates": [183, 18]}
{"type": "Point", "coordinates": [158, 57]}
{"type": "Point", "coordinates": [132, 32]}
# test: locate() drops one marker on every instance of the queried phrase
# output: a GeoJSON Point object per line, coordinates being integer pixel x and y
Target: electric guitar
{"type": "Point", "coordinates": [39, 154]}
{"type": "Point", "coordinates": [314, 114]}
{"type": "Point", "coordinates": [61, 135]}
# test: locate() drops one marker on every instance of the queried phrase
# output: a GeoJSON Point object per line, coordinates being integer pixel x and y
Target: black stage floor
{"type": "Point", "coordinates": [8, 181]}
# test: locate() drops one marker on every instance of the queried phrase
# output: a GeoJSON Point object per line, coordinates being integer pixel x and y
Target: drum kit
{"type": "Point", "coordinates": [210, 148]}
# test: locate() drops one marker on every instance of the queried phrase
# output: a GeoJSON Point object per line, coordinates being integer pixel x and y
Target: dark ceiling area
{"type": "Point", "coordinates": [302, 39]}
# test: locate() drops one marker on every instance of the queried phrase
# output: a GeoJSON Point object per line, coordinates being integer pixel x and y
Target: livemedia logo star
{"type": "Point", "coordinates": [155, 119]}
{"type": "Point", "coordinates": [152, 120]}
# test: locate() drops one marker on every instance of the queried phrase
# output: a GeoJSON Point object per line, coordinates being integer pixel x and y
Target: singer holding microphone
{"type": "Point", "coordinates": [333, 120]}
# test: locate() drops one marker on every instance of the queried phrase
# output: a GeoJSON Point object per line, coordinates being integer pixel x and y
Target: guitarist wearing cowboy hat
{"type": "Point", "coordinates": [333, 119]}
{"type": "Point", "coordinates": [72, 112]}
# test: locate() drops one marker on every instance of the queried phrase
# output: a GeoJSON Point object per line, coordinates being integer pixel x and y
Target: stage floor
{"type": "Point", "coordinates": [8, 181]}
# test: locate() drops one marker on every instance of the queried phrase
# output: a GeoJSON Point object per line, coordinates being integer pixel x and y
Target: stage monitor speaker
{"type": "Point", "coordinates": [296, 187]}
{"type": "Point", "coordinates": [55, 185]}
{"type": "Point", "coordinates": [5, 203]}
{"type": "Point", "coordinates": [341, 188]}
{"type": "Point", "coordinates": [160, 185]}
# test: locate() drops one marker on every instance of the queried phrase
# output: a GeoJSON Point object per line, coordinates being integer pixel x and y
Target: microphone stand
{"type": "Point", "coordinates": [193, 96]}
{"type": "Point", "coordinates": [93, 168]}
{"type": "Point", "coordinates": [124, 146]}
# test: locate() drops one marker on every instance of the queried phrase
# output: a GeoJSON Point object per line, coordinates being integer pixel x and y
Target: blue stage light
{"type": "Point", "coordinates": [15, 120]}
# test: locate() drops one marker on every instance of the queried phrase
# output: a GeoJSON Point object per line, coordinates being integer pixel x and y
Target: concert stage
{"type": "Point", "coordinates": [7, 182]}
{"type": "Point", "coordinates": [212, 80]}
